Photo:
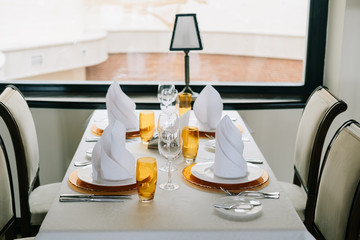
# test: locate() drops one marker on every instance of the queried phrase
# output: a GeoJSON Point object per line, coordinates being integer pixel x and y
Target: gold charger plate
{"type": "Point", "coordinates": [78, 185]}
{"type": "Point", "coordinates": [257, 184]}
{"type": "Point", "coordinates": [98, 132]}
{"type": "Point", "coordinates": [211, 134]}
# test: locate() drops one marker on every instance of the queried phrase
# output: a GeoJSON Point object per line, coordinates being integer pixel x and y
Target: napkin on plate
{"type": "Point", "coordinates": [110, 159]}
{"type": "Point", "coordinates": [120, 107]}
{"type": "Point", "coordinates": [208, 108]}
{"type": "Point", "coordinates": [229, 160]}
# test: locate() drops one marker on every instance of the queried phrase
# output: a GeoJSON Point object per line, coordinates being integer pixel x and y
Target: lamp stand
{"type": "Point", "coordinates": [187, 88]}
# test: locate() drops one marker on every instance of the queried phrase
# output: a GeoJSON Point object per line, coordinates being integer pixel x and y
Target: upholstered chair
{"type": "Point", "coordinates": [337, 208]}
{"type": "Point", "coordinates": [319, 112]}
{"type": "Point", "coordinates": [7, 204]}
{"type": "Point", "coordinates": [35, 200]}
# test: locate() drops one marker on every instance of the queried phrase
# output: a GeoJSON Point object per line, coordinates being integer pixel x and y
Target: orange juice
{"type": "Point", "coordinates": [146, 125]}
{"type": "Point", "coordinates": [184, 103]}
{"type": "Point", "coordinates": [190, 136]}
{"type": "Point", "coordinates": [146, 177]}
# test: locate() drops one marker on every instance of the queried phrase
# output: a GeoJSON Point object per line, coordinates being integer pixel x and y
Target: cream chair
{"type": "Point", "coordinates": [337, 208]}
{"type": "Point", "coordinates": [320, 111]}
{"type": "Point", "coordinates": [7, 204]}
{"type": "Point", "coordinates": [35, 200]}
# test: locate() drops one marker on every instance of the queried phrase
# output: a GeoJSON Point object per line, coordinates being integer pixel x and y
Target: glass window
{"type": "Point", "coordinates": [246, 43]}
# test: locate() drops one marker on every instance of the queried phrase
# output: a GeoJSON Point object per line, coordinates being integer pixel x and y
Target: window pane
{"type": "Point", "coordinates": [245, 42]}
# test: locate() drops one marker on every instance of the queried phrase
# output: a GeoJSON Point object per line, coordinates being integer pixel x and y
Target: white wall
{"type": "Point", "coordinates": [342, 63]}
{"type": "Point", "coordinates": [59, 133]}
{"type": "Point", "coordinates": [274, 132]}
{"type": "Point", "coordinates": [342, 68]}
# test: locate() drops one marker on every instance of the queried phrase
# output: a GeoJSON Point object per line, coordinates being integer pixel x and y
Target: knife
{"type": "Point", "coordinates": [92, 198]}
{"type": "Point", "coordinates": [92, 139]}
{"type": "Point", "coordinates": [254, 160]}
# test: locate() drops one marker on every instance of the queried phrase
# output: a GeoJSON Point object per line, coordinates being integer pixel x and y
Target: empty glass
{"type": "Point", "coordinates": [169, 143]}
{"type": "Point", "coordinates": [166, 95]}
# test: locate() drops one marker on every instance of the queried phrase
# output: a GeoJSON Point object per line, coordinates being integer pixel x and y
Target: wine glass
{"type": "Point", "coordinates": [165, 167]}
{"type": "Point", "coordinates": [169, 143]}
{"type": "Point", "coordinates": [166, 95]}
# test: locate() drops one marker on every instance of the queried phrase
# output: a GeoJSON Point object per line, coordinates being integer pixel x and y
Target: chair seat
{"type": "Point", "coordinates": [297, 196]}
{"type": "Point", "coordinates": [40, 201]}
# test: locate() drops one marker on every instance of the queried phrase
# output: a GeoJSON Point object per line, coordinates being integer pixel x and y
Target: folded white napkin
{"type": "Point", "coordinates": [229, 160]}
{"type": "Point", "coordinates": [110, 159]}
{"type": "Point", "coordinates": [208, 108]}
{"type": "Point", "coordinates": [184, 120]}
{"type": "Point", "coordinates": [120, 107]}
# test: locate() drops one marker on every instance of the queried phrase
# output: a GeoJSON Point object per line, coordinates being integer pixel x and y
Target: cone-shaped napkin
{"type": "Point", "coordinates": [184, 120]}
{"type": "Point", "coordinates": [120, 107]}
{"type": "Point", "coordinates": [208, 108]}
{"type": "Point", "coordinates": [229, 160]}
{"type": "Point", "coordinates": [110, 159]}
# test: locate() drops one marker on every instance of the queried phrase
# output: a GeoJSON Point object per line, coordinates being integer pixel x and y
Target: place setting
{"type": "Point", "coordinates": [231, 173]}
{"type": "Point", "coordinates": [113, 166]}
{"type": "Point", "coordinates": [229, 167]}
{"type": "Point", "coordinates": [119, 106]}
{"type": "Point", "coordinates": [110, 166]}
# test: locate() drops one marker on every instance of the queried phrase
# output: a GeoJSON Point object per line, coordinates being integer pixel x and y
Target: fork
{"type": "Point", "coordinates": [254, 194]}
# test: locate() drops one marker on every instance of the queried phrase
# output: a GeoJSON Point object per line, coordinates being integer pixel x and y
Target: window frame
{"type": "Point", "coordinates": [92, 94]}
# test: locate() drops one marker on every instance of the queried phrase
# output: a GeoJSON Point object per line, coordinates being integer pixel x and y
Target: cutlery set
{"type": "Point", "coordinates": [253, 194]}
{"type": "Point", "coordinates": [95, 139]}
{"type": "Point", "coordinates": [92, 198]}
{"type": "Point", "coordinates": [244, 204]}
{"type": "Point", "coordinates": [239, 205]}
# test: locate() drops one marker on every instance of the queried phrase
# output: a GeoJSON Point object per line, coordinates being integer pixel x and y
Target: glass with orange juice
{"type": "Point", "coordinates": [146, 177]}
{"type": "Point", "coordinates": [190, 136]}
{"type": "Point", "coordinates": [183, 103]}
{"type": "Point", "coordinates": [146, 125]}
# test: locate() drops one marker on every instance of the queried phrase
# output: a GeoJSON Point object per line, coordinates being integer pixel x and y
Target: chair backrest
{"type": "Point", "coordinates": [7, 201]}
{"type": "Point", "coordinates": [337, 209]}
{"type": "Point", "coordinates": [320, 111]}
{"type": "Point", "coordinates": [19, 121]}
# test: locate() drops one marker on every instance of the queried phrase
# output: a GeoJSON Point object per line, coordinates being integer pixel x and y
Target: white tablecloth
{"type": "Point", "coordinates": [186, 213]}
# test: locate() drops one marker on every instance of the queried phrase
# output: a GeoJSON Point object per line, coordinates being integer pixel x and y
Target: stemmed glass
{"type": "Point", "coordinates": [169, 143]}
{"type": "Point", "coordinates": [167, 94]}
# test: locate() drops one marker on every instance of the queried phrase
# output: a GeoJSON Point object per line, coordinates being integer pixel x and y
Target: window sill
{"type": "Point", "coordinates": [149, 101]}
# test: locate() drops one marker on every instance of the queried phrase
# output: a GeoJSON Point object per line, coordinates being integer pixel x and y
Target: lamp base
{"type": "Point", "coordinates": [187, 89]}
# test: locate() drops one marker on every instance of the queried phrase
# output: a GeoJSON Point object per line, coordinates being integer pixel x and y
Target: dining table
{"type": "Point", "coordinates": [186, 213]}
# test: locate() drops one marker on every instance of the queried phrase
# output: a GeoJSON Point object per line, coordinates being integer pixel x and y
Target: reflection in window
{"type": "Point", "coordinates": [245, 41]}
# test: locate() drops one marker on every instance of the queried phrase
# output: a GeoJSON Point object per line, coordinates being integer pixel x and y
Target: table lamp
{"type": "Point", "coordinates": [186, 37]}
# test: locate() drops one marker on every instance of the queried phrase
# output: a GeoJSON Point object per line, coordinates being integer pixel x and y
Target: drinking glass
{"type": "Point", "coordinates": [146, 125]}
{"type": "Point", "coordinates": [169, 143]}
{"type": "Point", "coordinates": [184, 102]}
{"type": "Point", "coordinates": [146, 177]}
{"type": "Point", "coordinates": [166, 95]}
{"type": "Point", "coordinates": [165, 167]}
{"type": "Point", "coordinates": [190, 137]}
